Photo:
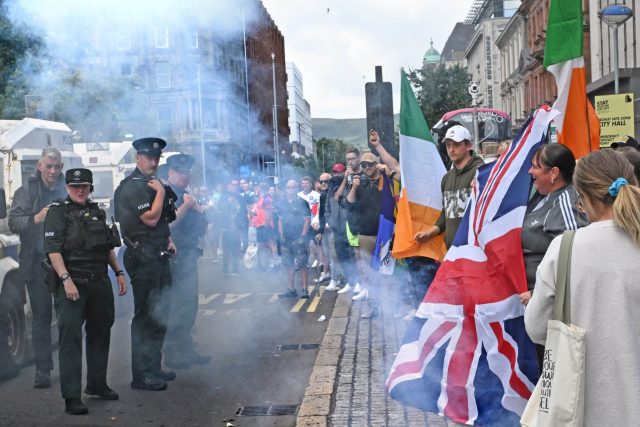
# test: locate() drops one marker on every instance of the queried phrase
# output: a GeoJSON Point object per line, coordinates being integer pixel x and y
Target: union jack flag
{"type": "Point", "coordinates": [466, 354]}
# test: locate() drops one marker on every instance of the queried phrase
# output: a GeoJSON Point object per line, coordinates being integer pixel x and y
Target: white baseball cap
{"type": "Point", "coordinates": [457, 133]}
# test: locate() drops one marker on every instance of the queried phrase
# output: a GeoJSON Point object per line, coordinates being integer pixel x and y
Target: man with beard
{"type": "Point", "coordinates": [186, 230]}
{"type": "Point", "coordinates": [144, 208]}
{"type": "Point", "coordinates": [26, 218]}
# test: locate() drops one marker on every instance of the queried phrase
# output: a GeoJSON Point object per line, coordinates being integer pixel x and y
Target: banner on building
{"type": "Point", "coordinates": [616, 117]}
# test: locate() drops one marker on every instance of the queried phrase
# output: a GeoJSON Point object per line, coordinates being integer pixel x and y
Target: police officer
{"type": "Point", "coordinates": [79, 247]}
{"type": "Point", "coordinates": [189, 226]}
{"type": "Point", "coordinates": [144, 208]}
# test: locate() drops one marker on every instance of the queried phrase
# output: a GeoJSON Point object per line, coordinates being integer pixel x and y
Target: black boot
{"type": "Point", "coordinates": [43, 379]}
{"type": "Point", "coordinates": [75, 407]}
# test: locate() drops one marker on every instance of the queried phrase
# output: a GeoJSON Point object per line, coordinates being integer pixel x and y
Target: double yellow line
{"type": "Point", "coordinates": [315, 301]}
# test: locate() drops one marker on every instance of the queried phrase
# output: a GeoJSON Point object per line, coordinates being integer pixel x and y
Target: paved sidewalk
{"type": "Point", "coordinates": [346, 387]}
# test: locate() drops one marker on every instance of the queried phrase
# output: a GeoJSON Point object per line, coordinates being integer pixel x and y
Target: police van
{"type": "Point", "coordinates": [21, 144]}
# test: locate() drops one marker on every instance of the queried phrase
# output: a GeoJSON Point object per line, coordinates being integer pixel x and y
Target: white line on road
{"type": "Point", "coordinates": [204, 300]}
{"type": "Point", "coordinates": [232, 298]}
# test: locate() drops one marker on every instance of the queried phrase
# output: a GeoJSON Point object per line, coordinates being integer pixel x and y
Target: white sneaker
{"type": "Point", "coordinates": [315, 264]}
{"type": "Point", "coordinates": [347, 288]}
{"type": "Point", "coordinates": [333, 285]}
{"type": "Point", "coordinates": [361, 296]}
{"type": "Point", "coordinates": [358, 288]}
{"type": "Point", "coordinates": [323, 277]}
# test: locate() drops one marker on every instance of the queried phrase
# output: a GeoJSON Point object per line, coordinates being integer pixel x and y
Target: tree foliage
{"type": "Point", "coordinates": [440, 89]}
{"type": "Point", "coordinates": [328, 152]}
{"type": "Point", "coordinates": [18, 46]}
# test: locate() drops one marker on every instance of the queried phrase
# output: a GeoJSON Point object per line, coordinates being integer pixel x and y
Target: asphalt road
{"type": "Point", "coordinates": [241, 324]}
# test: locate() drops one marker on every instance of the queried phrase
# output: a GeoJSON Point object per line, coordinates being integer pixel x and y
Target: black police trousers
{"type": "Point", "coordinates": [42, 310]}
{"type": "Point", "coordinates": [94, 309]}
{"type": "Point", "coordinates": [184, 302]}
{"type": "Point", "coordinates": [151, 284]}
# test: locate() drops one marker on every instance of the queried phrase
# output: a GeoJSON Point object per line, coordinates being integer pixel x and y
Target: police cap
{"type": "Point", "coordinates": [78, 176]}
{"type": "Point", "coordinates": [181, 162]}
{"type": "Point", "coordinates": [149, 146]}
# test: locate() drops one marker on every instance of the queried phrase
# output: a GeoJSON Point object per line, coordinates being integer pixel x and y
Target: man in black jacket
{"type": "Point", "coordinates": [26, 218]}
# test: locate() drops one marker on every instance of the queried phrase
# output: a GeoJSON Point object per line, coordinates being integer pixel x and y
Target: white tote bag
{"type": "Point", "coordinates": [558, 398]}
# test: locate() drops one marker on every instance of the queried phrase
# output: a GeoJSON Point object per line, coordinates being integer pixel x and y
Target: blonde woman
{"type": "Point", "coordinates": [605, 292]}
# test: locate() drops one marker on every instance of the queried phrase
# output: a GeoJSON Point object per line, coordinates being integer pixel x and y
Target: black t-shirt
{"type": "Point", "coordinates": [133, 198]}
{"type": "Point", "coordinates": [293, 215]}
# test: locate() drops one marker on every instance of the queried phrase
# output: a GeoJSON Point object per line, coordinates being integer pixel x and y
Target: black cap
{"type": "Point", "coordinates": [181, 162]}
{"type": "Point", "coordinates": [78, 176]}
{"type": "Point", "coordinates": [149, 146]}
{"type": "Point", "coordinates": [626, 141]}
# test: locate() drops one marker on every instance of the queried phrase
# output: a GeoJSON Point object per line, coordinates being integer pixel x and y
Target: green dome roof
{"type": "Point", "coordinates": [431, 55]}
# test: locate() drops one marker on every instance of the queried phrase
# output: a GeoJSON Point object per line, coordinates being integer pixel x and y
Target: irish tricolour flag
{"type": "Point", "coordinates": [578, 126]}
{"type": "Point", "coordinates": [421, 170]}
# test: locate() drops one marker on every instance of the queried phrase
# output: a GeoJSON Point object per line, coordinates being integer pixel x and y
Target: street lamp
{"type": "Point", "coordinates": [615, 15]}
{"type": "Point", "coordinates": [276, 146]}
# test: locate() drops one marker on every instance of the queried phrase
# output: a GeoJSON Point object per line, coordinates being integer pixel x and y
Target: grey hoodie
{"type": "Point", "coordinates": [456, 189]}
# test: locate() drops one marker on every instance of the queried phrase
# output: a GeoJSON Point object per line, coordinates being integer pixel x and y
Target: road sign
{"type": "Point", "coordinates": [616, 117]}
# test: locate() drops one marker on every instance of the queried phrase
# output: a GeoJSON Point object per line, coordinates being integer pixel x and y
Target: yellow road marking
{"type": "Point", "coordinates": [316, 300]}
{"type": "Point", "coordinates": [296, 308]}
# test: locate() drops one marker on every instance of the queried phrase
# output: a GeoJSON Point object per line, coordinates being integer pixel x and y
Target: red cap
{"type": "Point", "coordinates": [338, 167]}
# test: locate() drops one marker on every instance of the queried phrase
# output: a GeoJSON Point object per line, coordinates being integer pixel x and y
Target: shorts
{"type": "Point", "coordinates": [295, 254]}
{"type": "Point", "coordinates": [265, 233]}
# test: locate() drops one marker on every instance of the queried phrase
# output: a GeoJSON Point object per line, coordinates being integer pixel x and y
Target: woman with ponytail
{"type": "Point", "coordinates": [604, 288]}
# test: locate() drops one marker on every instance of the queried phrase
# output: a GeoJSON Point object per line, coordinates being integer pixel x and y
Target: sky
{"type": "Point", "coordinates": [336, 45]}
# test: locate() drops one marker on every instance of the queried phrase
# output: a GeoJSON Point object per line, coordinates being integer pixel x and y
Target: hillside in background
{"type": "Point", "coordinates": [351, 131]}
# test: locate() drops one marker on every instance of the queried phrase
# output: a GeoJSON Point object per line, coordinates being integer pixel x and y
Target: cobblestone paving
{"type": "Point", "coordinates": [358, 353]}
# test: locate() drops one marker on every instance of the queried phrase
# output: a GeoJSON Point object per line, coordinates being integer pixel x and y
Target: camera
{"type": "Point", "coordinates": [350, 177]}
{"type": "Point", "coordinates": [167, 253]}
{"type": "Point", "coordinates": [474, 88]}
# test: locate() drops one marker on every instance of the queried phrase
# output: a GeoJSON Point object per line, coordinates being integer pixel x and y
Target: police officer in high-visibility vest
{"type": "Point", "coordinates": [79, 245]}
{"type": "Point", "coordinates": [145, 207]}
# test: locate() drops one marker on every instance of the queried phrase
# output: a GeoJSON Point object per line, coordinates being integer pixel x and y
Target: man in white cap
{"type": "Point", "coordinates": [456, 185]}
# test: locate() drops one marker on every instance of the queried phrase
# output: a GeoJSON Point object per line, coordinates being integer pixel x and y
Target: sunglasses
{"type": "Point", "coordinates": [366, 165]}
{"type": "Point", "coordinates": [324, 181]}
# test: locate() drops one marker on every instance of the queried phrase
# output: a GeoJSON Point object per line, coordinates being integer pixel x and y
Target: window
{"type": "Point", "coordinates": [123, 39]}
{"type": "Point", "coordinates": [164, 119]}
{"type": "Point", "coordinates": [162, 37]}
{"type": "Point", "coordinates": [163, 75]}
{"type": "Point", "coordinates": [102, 185]}
{"type": "Point", "coordinates": [210, 113]}
{"type": "Point", "coordinates": [125, 69]}
{"type": "Point", "coordinates": [193, 37]}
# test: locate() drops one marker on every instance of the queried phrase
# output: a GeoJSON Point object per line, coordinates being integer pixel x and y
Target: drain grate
{"type": "Point", "coordinates": [283, 347]}
{"type": "Point", "coordinates": [309, 346]}
{"type": "Point", "coordinates": [273, 410]}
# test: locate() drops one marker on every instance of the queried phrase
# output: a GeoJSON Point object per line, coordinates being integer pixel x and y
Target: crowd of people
{"type": "Point", "coordinates": [330, 223]}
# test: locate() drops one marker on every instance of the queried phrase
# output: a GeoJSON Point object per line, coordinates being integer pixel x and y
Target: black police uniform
{"type": "Point", "coordinates": [179, 346]}
{"type": "Point", "coordinates": [79, 233]}
{"type": "Point", "coordinates": [147, 262]}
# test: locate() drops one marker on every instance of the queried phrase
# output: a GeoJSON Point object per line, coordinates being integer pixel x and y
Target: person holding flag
{"type": "Point", "coordinates": [456, 185]}
{"type": "Point", "coordinates": [466, 354]}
